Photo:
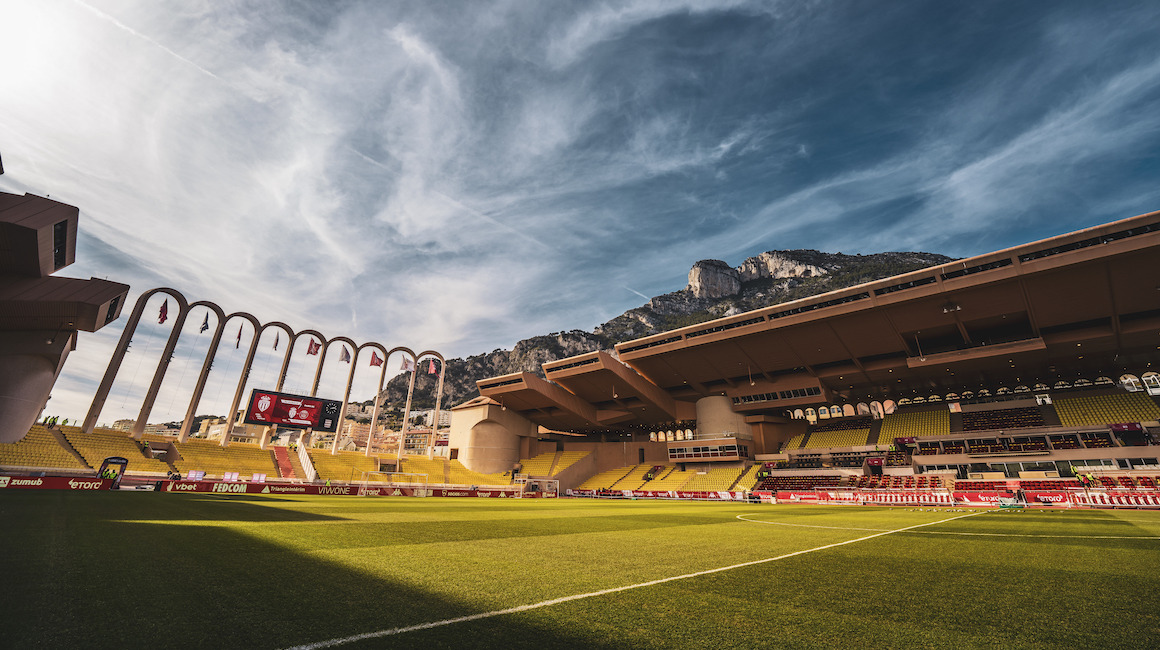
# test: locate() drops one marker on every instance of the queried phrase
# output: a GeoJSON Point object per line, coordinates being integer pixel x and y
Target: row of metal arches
{"type": "Point", "coordinates": [1149, 381]}
{"type": "Point", "coordinates": [184, 309]}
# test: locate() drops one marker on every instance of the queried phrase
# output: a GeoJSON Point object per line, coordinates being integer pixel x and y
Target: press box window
{"type": "Point", "coordinates": [59, 245]}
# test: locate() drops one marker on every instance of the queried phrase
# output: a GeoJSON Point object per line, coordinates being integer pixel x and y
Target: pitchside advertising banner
{"type": "Point", "coordinates": [654, 494]}
{"type": "Point", "coordinates": [343, 490]}
{"type": "Point", "coordinates": [293, 411]}
{"type": "Point", "coordinates": [54, 483]}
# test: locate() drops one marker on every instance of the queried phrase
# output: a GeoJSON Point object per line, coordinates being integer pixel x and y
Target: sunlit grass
{"type": "Point", "coordinates": [158, 570]}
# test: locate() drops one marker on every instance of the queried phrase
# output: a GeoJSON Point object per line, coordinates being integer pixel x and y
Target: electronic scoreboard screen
{"type": "Point", "coordinates": [292, 411]}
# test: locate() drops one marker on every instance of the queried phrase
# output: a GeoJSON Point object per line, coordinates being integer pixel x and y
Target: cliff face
{"type": "Point", "coordinates": [715, 289]}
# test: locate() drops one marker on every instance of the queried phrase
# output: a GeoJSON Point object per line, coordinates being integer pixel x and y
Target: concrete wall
{"type": "Point", "coordinates": [487, 437]}
{"type": "Point", "coordinates": [715, 415]}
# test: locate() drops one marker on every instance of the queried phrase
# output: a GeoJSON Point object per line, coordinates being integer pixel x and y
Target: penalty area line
{"type": "Point", "coordinates": [330, 643]}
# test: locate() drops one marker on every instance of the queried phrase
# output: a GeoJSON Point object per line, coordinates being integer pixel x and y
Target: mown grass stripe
{"type": "Point", "coordinates": [330, 643]}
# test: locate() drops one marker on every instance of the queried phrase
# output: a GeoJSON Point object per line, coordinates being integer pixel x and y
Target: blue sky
{"type": "Point", "coordinates": [461, 175]}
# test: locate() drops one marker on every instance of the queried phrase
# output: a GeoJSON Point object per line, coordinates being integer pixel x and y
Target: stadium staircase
{"type": "Point", "coordinates": [285, 467]}
{"type": "Point", "coordinates": [58, 434]}
{"type": "Point", "coordinates": [875, 431]}
{"type": "Point", "coordinates": [566, 459]}
{"type": "Point", "coordinates": [296, 464]}
{"type": "Point", "coordinates": [1050, 417]}
{"type": "Point", "coordinates": [956, 422]}
{"type": "Point", "coordinates": [103, 443]}
{"type": "Point", "coordinates": [40, 449]}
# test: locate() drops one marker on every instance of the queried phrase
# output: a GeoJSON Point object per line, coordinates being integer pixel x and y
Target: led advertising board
{"type": "Point", "coordinates": [292, 411]}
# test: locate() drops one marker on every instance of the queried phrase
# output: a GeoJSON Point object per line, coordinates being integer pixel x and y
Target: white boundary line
{"type": "Point", "coordinates": [330, 643]}
{"type": "Point", "coordinates": [945, 532]}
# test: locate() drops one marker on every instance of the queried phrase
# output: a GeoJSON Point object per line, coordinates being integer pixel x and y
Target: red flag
{"type": "Point", "coordinates": [313, 347]}
{"type": "Point", "coordinates": [238, 343]}
{"type": "Point", "coordinates": [431, 368]}
{"type": "Point", "coordinates": [164, 312]}
{"type": "Point", "coordinates": [375, 360]}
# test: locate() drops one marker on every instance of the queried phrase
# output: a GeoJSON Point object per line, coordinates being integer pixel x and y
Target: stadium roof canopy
{"type": "Point", "coordinates": [1085, 304]}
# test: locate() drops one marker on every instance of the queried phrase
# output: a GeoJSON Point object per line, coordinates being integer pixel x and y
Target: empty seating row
{"type": "Point", "coordinates": [1106, 409]}
{"type": "Point", "coordinates": [913, 424]}
{"type": "Point", "coordinates": [103, 443]}
{"type": "Point", "coordinates": [798, 482]}
{"type": "Point", "coordinates": [215, 460]}
{"type": "Point", "coordinates": [342, 466]}
{"type": "Point", "coordinates": [837, 438]}
{"type": "Point", "coordinates": [538, 465]}
{"type": "Point", "coordinates": [39, 449]}
{"type": "Point", "coordinates": [458, 474]}
{"type": "Point", "coordinates": [1014, 418]}
{"type": "Point", "coordinates": [842, 424]}
{"type": "Point", "coordinates": [607, 478]}
{"type": "Point", "coordinates": [715, 479]}
{"type": "Point", "coordinates": [567, 459]}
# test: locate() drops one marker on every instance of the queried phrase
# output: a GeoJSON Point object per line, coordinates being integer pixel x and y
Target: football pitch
{"type": "Point", "coordinates": [151, 570]}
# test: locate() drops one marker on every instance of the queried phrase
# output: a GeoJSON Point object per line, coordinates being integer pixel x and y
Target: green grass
{"type": "Point", "coordinates": [182, 570]}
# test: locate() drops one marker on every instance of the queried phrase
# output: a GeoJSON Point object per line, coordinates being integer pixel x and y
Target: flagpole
{"type": "Point", "coordinates": [345, 397]}
{"type": "Point", "coordinates": [438, 399]}
{"type": "Point", "coordinates": [407, 412]}
{"type": "Point", "coordinates": [375, 408]}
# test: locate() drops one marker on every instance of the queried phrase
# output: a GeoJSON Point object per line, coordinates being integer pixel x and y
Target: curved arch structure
{"type": "Point", "coordinates": [184, 308]}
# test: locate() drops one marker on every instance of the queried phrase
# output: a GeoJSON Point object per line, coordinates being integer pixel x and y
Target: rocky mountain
{"type": "Point", "coordinates": [715, 289]}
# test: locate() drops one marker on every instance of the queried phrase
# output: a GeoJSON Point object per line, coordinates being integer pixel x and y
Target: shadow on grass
{"type": "Point", "coordinates": [80, 575]}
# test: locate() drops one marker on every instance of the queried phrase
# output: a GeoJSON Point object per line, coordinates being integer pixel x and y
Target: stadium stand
{"type": "Point", "coordinates": [1096, 440]}
{"type": "Point", "coordinates": [749, 478]}
{"type": "Point", "coordinates": [343, 466]}
{"type": "Point", "coordinates": [955, 447]}
{"type": "Point", "coordinates": [539, 465]}
{"type": "Point", "coordinates": [715, 479]}
{"type": "Point", "coordinates": [838, 438]}
{"type": "Point", "coordinates": [460, 475]}
{"type": "Point", "coordinates": [1033, 443]}
{"type": "Point", "coordinates": [794, 442]}
{"type": "Point", "coordinates": [672, 478]}
{"type": "Point", "coordinates": [798, 482]}
{"type": "Point", "coordinates": [608, 478]}
{"type": "Point", "coordinates": [39, 449]}
{"type": "Point", "coordinates": [567, 459]}
{"type": "Point", "coordinates": [215, 460]}
{"type": "Point", "coordinates": [913, 424]}
{"type": "Point", "coordinates": [1014, 418]}
{"type": "Point", "coordinates": [434, 468]}
{"type": "Point", "coordinates": [103, 443]}
{"type": "Point", "coordinates": [897, 458]}
{"type": "Point", "coordinates": [1063, 441]}
{"type": "Point", "coordinates": [1106, 409]}
{"type": "Point", "coordinates": [634, 479]}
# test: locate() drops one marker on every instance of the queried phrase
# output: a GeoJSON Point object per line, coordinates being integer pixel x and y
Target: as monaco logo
{"type": "Point", "coordinates": [264, 403]}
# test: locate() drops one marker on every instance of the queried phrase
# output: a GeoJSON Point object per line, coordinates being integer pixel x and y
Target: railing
{"type": "Point", "coordinates": [307, 465]}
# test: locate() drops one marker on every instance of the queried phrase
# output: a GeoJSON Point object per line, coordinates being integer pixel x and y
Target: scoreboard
{"type": "Point", "coordinates": [292, 411]}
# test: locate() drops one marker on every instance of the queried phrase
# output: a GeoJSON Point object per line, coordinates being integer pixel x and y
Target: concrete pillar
{"type": "Point", "coordinates": [26, 377]}
{"type": "Point", "coordinates": [715, 417]}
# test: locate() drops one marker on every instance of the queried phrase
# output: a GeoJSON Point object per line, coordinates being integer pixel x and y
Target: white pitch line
{"type": "Point", "coordinates": [945, 532]}
{"type": "Point", "coordinates": [330, 643]}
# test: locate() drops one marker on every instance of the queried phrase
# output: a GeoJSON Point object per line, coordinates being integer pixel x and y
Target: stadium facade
{"type": "Point", "coordinates": [1072, 315]}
